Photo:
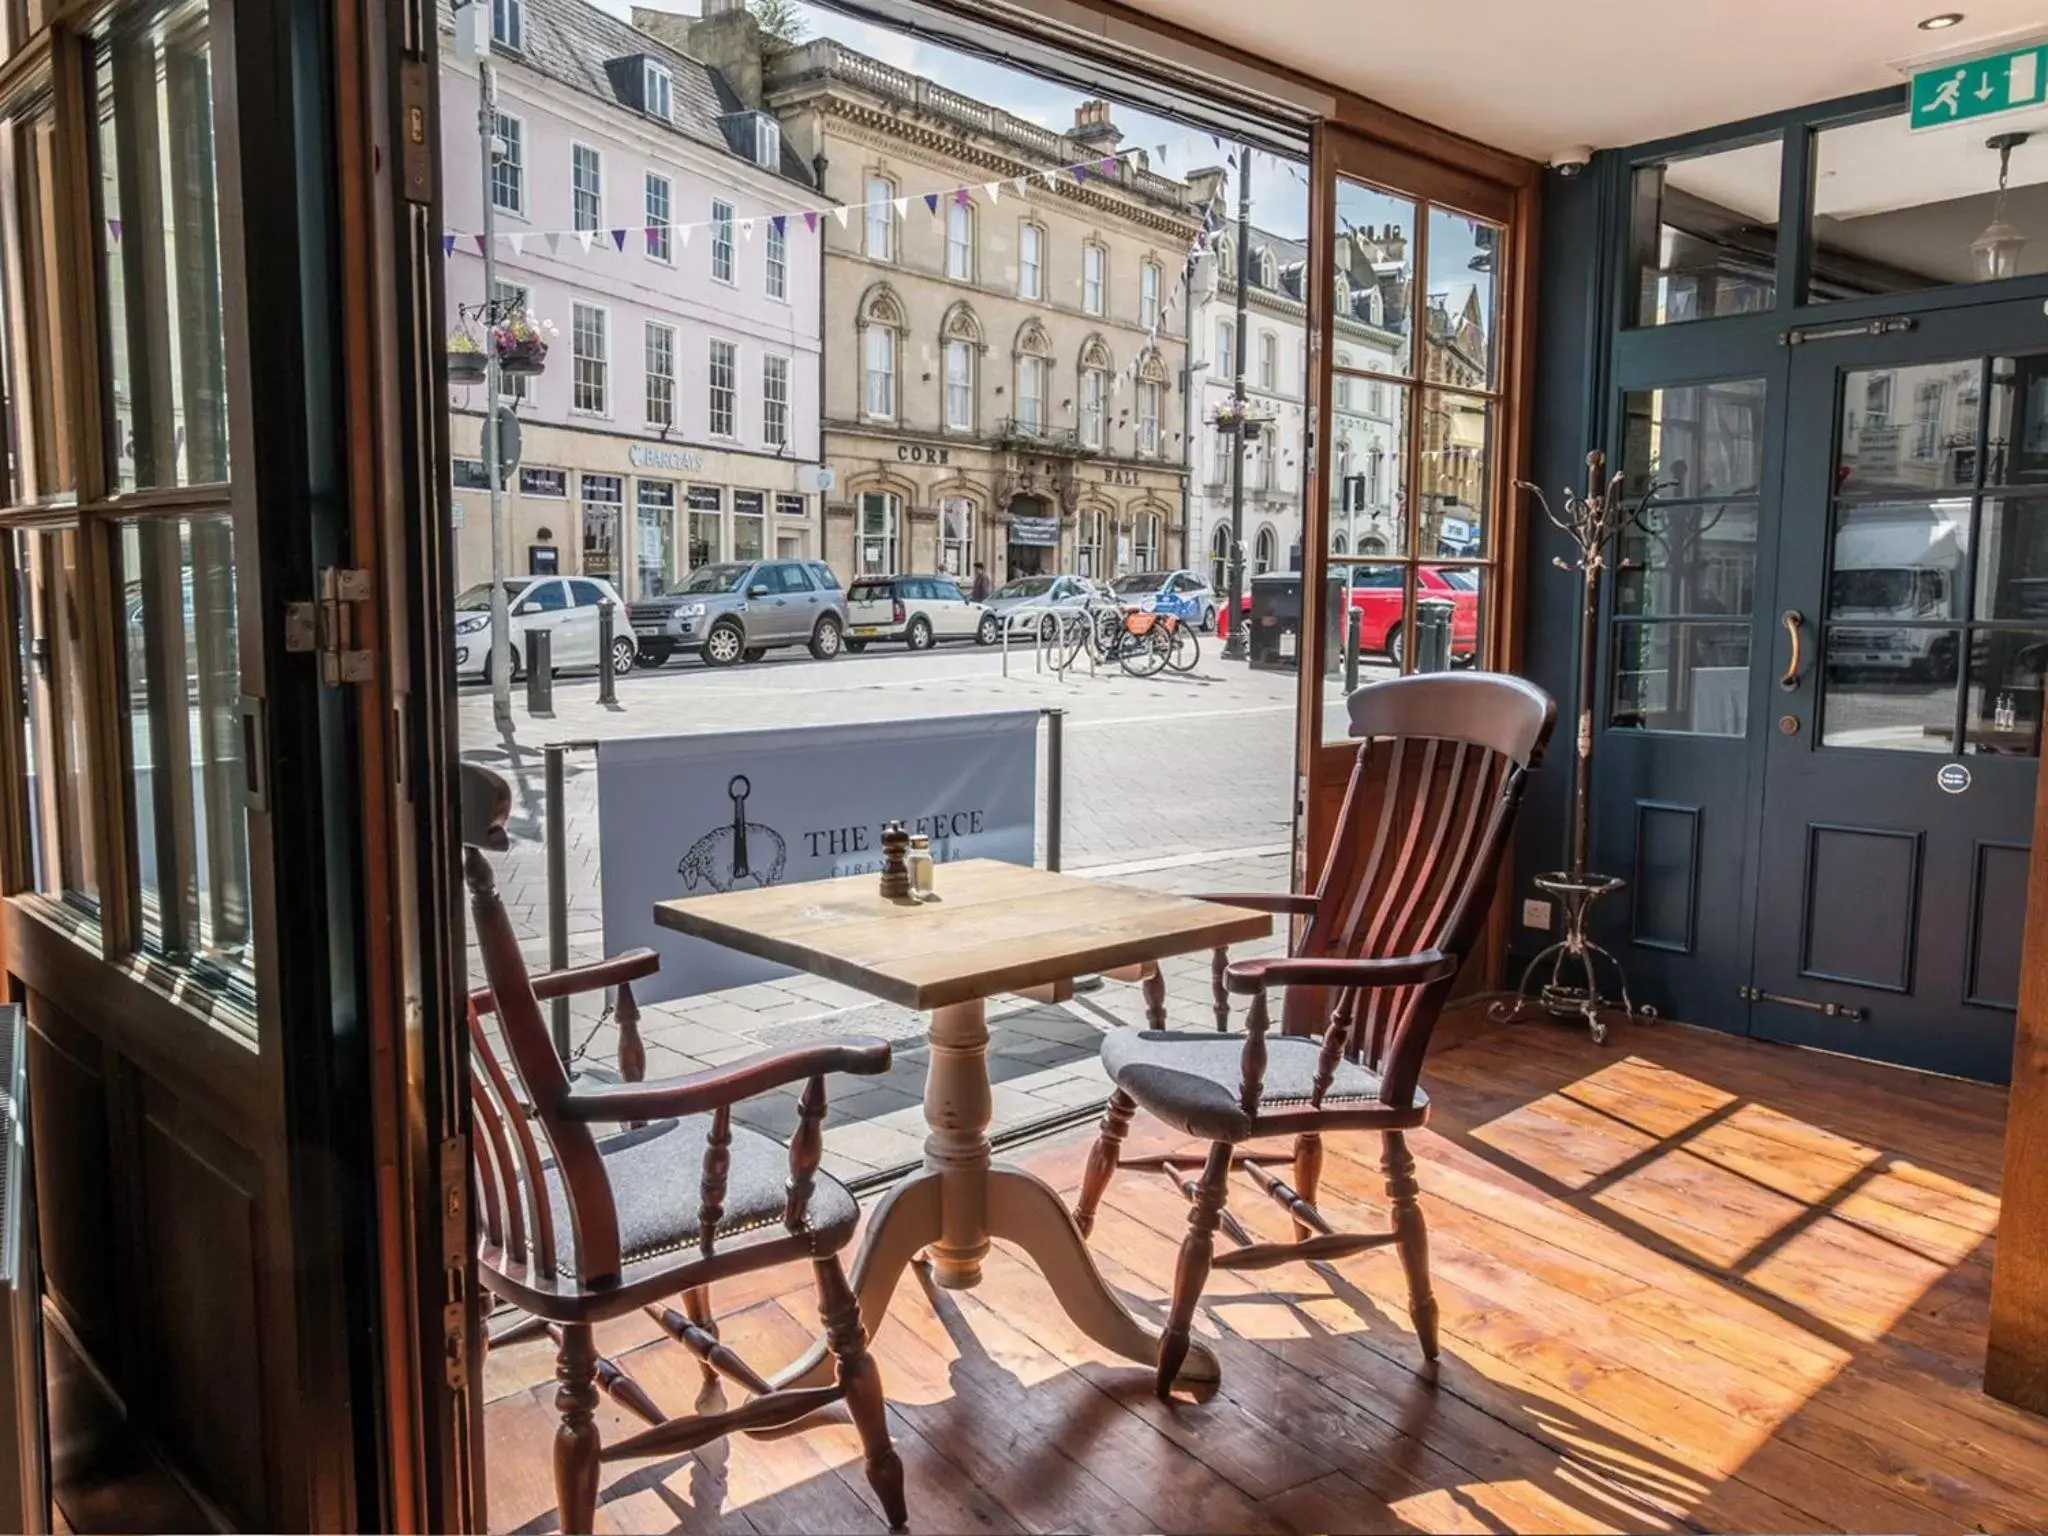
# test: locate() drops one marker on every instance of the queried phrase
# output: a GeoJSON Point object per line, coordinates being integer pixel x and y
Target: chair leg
{"type": "Point", "coordinates": [697, 1308]}
{"type": "Point", "coordinates": [1308, 1174]}
{"type": "Point", "coordinates": [1192, 1269]}
{"type": "Point", "coordinates": [1102, 1157]}
{"type": "Point", "coordinates": [576, 1443]}
{"type": "Point", "coordinates": [1412, 1237]}
{"type": "Point", "coordinates": [862, 1381]}
{"type": "Point", "coordinates": [1154, 988]}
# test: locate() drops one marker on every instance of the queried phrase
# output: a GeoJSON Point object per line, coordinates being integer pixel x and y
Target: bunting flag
{"type": "Point", "coordinates": [618, 239]}
{"type": "Point", "coordinates": [1080, 174]}
{"type": "Point", "coordinates": [839, 213]}
{"type": "Point", "coordinates": [554, 240]}
{"type": "Point", "coordinates": [992, 188]}
{"type": "Point", "coordinates": [480, 244]}
{"type": "Point", "coordinates": [931, 201]}
{"type": "Point", "coordinates": [902, 206]}
{"type": "Point", "coordinates": [811, 220]}
{"type": "Point", "coordinates": [447, 241]}
{"type": "Point", "coordinates": [583, 238]}
{"type": "Point", "coordinates": [962, 197]}
{"type": "Point", "coordinates": [518, 243]}
{"type": "Point", "coordinates": [1052, 178]}
{"type": "Point", "coordinates": [1022, 183]}
{"type": "Point", "coordinates": [1107, 165]}
{"type": "Point", "coordinates": [653, 237]}
{"type": "Point", "coordinates": [747, 230]}
{"type": "Point", "coordinates": [114, 231]}
{"type": "Point", "coordinates": [779, 222]}
{"type": "Point", "coordinates": [682, 234]}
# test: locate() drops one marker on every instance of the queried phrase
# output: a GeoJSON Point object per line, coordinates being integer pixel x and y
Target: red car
{"type": "Point", "coordinates": [1376, 594]}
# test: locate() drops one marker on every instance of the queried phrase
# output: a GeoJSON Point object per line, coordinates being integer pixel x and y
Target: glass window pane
{"type": "Point", "coordinates": [1897, 212]}
{"type": "Point", "coordinates": [160, 253]}
{"type": "Point", "coordinates": [185, 738]}
{"type": "Point", "coordinates": [1704, 235]}
{"type": "Point", "coordinates": [1457, 434]}
{"type": "Point", "coordinates": [1375, 270]}
{"type": "Point", "coordinates": [1464, 254]}
{"type": "Point", "coordinates": [1704, 440]}
{"type": "Point", "coordinates": [2012, 559]}
{"type": "Point", "coordinates": [1909, 429]}
{"type": "Point", "coordinates": [1899, 562]}
{"type": "Point", "coordinates": [1688, 561]}
{"type": "Point", "coordinates": [38, 374]}
{"type": "Point", "coordinates": [1371, 639]}
{"type": "Point", "coordinates": [1890, 688]}
{"type": "Point", "coordinates": [60, 831]}
{"type": "Point", "coordinates": [2006, 668]}
{"type": "Point", "coordinates": [1684, 677]}
{"type": "Point", "coordinates": [1368, 504]}
{"type": "Point", "coordinates": [2018, 446]}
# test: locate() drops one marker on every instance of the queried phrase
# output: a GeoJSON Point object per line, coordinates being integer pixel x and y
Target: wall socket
{"type": "Point", "coordinates": [1536, 914]}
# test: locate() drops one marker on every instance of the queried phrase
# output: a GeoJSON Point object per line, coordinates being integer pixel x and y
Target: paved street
{"type": "Point", "coordinates": [1179, 782]}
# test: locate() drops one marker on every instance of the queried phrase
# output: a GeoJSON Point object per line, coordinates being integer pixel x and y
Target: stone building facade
{"type": "Point", "coordinates": [999, 385]}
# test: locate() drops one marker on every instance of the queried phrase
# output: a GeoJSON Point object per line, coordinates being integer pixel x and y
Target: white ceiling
{"type": "Point", "coordinates": [1538, 76]}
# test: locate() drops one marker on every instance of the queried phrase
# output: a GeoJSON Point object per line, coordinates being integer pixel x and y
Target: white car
{"type": "Point", "coordinates": [565, 606]}
{"type": "Point", "coordinates": [920, 611]}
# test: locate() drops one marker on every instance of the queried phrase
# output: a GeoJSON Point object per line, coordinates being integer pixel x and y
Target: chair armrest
{"type": "Point", "coordinates": [700, 1092]}
{"type": "Point", "coordinates": [1264, 901]}
{"type": "Point", "coordinates": [612, 971]}
{"type": "Point", "coordinates": [1254, 976]}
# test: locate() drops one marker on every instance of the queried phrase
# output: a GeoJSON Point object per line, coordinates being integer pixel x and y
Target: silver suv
{"type": "Point", "coordinates": [739, 610]}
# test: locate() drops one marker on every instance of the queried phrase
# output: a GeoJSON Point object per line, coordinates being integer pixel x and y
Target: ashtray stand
{"type": "Point", "coordinates": [1575, 895]}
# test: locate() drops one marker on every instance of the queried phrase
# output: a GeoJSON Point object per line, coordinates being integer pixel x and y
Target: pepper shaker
{"type": "Point", "coordinates": [921, 866]}
{"type": "Point", "coordinates": [895, 870]}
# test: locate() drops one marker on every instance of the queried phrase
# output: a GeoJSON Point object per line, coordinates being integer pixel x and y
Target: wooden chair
{"type": "Point", "coordinates": [1403, 898]}
{"type": "Point", "coordinates": [592, 1227]}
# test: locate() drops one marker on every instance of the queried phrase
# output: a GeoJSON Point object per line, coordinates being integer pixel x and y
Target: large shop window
{"type": "Point", "coordinates": [120, 562]}
{"type": "Point", "coordinates": [1414, 483]}
{"type": "Point", "coordinates": [875, 540]}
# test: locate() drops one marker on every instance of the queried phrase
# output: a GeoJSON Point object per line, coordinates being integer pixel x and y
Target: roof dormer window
{"type": "Point", "coordinates": [508, 24]}
{"type": "Point", "coordinates": [657, 90]}
{"type": "Point", "coordinates": [767, 142]}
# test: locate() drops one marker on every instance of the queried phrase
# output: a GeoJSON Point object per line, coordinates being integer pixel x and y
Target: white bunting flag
{"type": "Point", "coordinates": [1052, 178]}
{"type": "Point", "coordinates": [994, 189]}
{"type": "Point", "coordinates": [518, 244]}
{"type": "Point", "coordinates": [1020, 184]}
{"type": "Point", "coordinates": [746, 229]}
{"type": "Point", "coordinates": [584, 237]}
{"type": "Point", "coordinates": [902, 206]}
{"type": "Point", "coordinates": [839, 213]}
{"type": "Point", "coordinates": [683, 234]}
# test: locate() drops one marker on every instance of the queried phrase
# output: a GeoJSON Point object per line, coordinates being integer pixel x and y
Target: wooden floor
{"type": "Point", "coordinates": [1688, 1283]}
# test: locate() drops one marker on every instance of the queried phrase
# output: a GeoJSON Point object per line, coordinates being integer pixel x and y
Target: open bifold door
{"type": "Point", "coordinates": [24, 1448]}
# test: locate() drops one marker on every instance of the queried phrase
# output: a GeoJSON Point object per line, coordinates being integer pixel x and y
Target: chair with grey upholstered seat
{"type": "Point", "coordinates": [1402, 899]}
{"type": "Point", "coordinates": [579, 1227]}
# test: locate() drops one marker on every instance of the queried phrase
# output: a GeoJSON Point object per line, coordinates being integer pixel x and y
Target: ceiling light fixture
{"type": "Point", "coordinates": [1942, 22]}
{"type": "Point", "coordinates": [1996, 252]}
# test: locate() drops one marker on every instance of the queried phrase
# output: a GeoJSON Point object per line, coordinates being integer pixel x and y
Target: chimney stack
{"type": "Point", "coordinates": [1093, 128]}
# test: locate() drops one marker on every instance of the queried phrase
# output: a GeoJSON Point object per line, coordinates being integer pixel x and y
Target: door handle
{"type": "Point", "coordinates": [1792, 620]}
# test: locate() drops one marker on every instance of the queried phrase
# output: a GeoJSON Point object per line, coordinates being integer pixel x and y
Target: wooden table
{"type": "Point", "coordinates": [993, 928]}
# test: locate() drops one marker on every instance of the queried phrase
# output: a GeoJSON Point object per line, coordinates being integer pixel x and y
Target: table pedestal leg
{"type": "Point", "coordinates": [958, 1202]}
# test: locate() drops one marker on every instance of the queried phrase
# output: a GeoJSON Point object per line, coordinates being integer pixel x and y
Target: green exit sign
{"type": "Point", "coordinates": [1964, 89]}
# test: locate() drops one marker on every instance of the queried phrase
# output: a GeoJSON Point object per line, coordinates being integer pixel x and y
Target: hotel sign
{"type": "Point", "coordinates": [649, 456]}
{"type": "Point", "coordinates": [1962, 90]}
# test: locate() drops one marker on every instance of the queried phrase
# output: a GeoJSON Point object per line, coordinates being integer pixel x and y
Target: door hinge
{"type": "Point", "coordinates": [335, 627]}
{"type": "Point", "coordinates": [1828, 1010]}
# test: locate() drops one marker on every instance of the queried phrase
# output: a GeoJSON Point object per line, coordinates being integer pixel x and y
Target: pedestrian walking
{"type": "Point", "coordinates": [982, 585]}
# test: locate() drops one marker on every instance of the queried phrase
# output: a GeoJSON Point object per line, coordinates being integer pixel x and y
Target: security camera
{"type": "Point", "coordinates": [1569, 162]}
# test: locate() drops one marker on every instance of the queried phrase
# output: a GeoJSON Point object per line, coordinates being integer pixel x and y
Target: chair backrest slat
{"type": "Point", "coordinates": [1417, 847]}
{"type": "Point", "coordinates": [528, 1184]}
{"type": "Point", "coordinates": [493, 1164]}
{"type": "Point", "coordinates": [486, 804]}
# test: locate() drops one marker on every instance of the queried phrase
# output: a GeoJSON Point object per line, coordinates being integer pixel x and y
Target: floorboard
{"type": "Point", "coordinates": [1689, 1283]}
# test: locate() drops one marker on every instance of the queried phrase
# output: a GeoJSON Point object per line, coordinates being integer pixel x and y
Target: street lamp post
{"type": "Point", "coordinates": [1234, 644]}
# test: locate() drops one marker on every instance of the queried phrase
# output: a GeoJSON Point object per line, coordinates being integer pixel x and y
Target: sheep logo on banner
{"type": "Point", "coordinates": [730, 857]}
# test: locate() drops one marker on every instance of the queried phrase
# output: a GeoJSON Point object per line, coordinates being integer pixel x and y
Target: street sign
{"type": "Point", "coordinates": [1966, 89]}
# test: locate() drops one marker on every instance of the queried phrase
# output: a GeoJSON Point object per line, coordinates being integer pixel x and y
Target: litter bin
{"type": "Point", "coordinates": [1273, 634]}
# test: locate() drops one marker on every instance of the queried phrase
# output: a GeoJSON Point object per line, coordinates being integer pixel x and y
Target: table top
{"type": "Point", "coordinates": [990, 928]}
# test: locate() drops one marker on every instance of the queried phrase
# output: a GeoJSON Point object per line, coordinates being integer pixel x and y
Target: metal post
{"type": "Point", "coordinates": [501, 619]}
{"type": "Point", "coordinates": [558, 889]}
{"type": "Point", "coordinates": [1234, 645]}
{"type": "Point", "coordinates": [1353, 621]}
{"type": "Point", "coordinates": [607, 680]}
{"type": "Point", "coordinates": [540, 674]}
{"type": "Point", "coordinates": [1055, 777]}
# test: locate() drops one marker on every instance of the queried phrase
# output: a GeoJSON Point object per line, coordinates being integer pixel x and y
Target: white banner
{"type": "Point", "coordinates": [736, 810]}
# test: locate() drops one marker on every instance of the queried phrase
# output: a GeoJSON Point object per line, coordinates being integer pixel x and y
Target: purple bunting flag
{"type": "Point", "coordinates": [779, 222]}
{"type": "Point", "coordinates": [447, 241]}
{"type": "Point", "coordinates": [811, 220]}
{"type": "Point", "coordinates": [931, 201]}
{"type": "Point", "coordinates": [481, 243]}
{"type": "Point", "coordinates": [619, 239]}
{"type": "Point", "coordinates": [114, 231]}
{"type": "Point", "coordinates": [961, 197]}
{"type": "Point", "coordinates": [1108, 165]}
{"type": "Point", "coordinates": [1081, 174]}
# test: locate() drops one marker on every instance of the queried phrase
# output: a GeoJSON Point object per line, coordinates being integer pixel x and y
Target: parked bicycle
{"type": "Point", "coordinates": [1141, 643]}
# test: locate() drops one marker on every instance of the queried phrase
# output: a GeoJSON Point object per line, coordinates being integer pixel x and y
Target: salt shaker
{"type": "Point", "coordinates": [920, 866]}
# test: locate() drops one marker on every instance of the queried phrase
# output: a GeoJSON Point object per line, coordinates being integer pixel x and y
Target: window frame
{"type": "Point", "coordinates": [879, 217]}
{"type": "Point", "coordinates": [513, 33]}
{"type": "Point", "coordinates": [1095, 255]}
{"type": "Point", "coordinates": [1034, 292]}
{"type": "Point", "coordinates": [960, 243]}
{"type": "Point", "coordinates": [515, 158]}
{"type": "Point", "coordinates": [722, 253]}
{"type": "Point", "coordinates": [775, 263]}
{"type": "Point", "coordinates": [730, 390]}
{"type": "Point", "coordinates": [650, 330]}
{"type": "Point", "coordinates": [577, 191]}
{"type": "Point", "coordinates": [661, 249]}
{"type": "Point", "coordinates": [602, 411]}
{"type": "Point", "coordinates": [653, 72]}
{"type": "Point", "coordinates": [957, 347]}
{"type": "Point", "coordinates": [1149, 282]}
{"type": "Point", "coordinates": [868, 372]}
{"type": "Point", "coordinates": [775, 401]}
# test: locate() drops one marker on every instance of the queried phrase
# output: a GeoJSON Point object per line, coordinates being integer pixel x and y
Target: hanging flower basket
{"type": "Point", "coordinates": [521, 343]}
{"type": "Point", "coordinates": [465, 358]}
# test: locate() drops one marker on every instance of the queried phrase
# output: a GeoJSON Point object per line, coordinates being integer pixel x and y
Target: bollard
{"type": "Point", "coordinates": [540, 674]}
{"type": "Point", "coordinates": [1055, 772]}
{"type": "Point", "coordinates": [1433, 637]}
{"type": "Point", "coordinates": [558, 890]}
{"type": "Point", "coordinates": [607, 680]}
{"type": "Point", "coordinates": [1354, 621]}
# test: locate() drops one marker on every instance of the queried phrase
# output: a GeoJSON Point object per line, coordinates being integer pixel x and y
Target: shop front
{"type": "Point", "coordinates": [640, 514]}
